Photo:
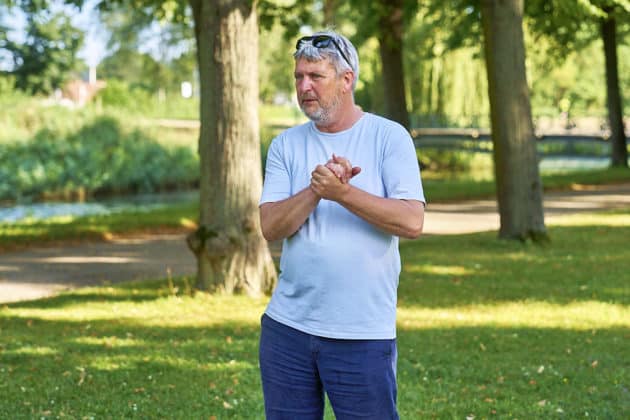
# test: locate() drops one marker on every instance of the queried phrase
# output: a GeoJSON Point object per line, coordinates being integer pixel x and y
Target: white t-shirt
{"type": "Point", "coordinates": [338, 273]}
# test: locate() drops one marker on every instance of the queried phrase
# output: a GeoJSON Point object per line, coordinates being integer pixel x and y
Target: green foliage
{"type": "Point", "coordinates": [23, 116]}
{"type": "Point", "coordinates": [561, 23]}
{"type": "Point", "coordinates": [445, 161]}
{"type": "Point", "coordinates": [137, 69]}
{"type": "Point", "coordinates": [485, 328]}
{"type": "Point", "coordinates": [47, 58]}
{"type": "Point", "coordinates": [172, 59]}
{"type": "Point", "coordinates": [99, 157]}
{"type": "Point", "coordinates": [118, 94]}
{"type": "Point", "coordinates": [276, 65]}
{"type": "Point", "coordinates": [291, 15]}
{"type": "Point", "coordinates": [7, 85]}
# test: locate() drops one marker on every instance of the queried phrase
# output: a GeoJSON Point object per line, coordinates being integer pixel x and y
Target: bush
{"type": "Point", "coordinates": [437, 160]}
{"type": "Point", "coordinates": [120, 95]}
{"type": "Point", "coordinates": [98, 158]}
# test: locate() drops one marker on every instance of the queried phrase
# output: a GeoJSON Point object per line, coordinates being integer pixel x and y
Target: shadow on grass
{"type": "Point", "coordinates": [133, 291]}
{"type": "Point", "coordinates": [122, 368]}
{"type": "Point", "coordinates": [582, 263]}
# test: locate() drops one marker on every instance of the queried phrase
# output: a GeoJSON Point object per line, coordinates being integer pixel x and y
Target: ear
{"type": "Point", "coordinates": [348, 78]}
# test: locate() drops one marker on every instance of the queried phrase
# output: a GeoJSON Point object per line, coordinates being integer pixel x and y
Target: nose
{"type": "Point", "coordinates": [303, 85]}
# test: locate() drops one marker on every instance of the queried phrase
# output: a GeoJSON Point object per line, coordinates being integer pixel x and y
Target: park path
{"type": "Point", "coordinates": [40, 272]}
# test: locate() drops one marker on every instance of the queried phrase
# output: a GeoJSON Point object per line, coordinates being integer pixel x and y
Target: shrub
{"type": "Point", "coordinates": [98, 158]}
{"type": "Point", "coordinates": [120, 95]}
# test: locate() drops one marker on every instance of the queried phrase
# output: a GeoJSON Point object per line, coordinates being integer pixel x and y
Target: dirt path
{"type": "Point", "coordinates": [42, 272]}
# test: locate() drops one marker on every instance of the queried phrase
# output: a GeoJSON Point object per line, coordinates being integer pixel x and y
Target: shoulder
{"type": "Point", "coordinates": [290, 136]}
{"type": "Point", "coordinates": [296, 131]}
{"type": "Point", "coordinates": [386, 128]}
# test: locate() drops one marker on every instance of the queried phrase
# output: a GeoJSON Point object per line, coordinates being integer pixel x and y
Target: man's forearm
{"type": "Point", "coordinates": [282, 219]}
{"type": "Point", "coordinates": [403, 218]}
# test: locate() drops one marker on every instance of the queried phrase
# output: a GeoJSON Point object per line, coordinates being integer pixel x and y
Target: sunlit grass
{"type": "Point", "coordinates": [175, 217]}
{"type": "Point", "coordinates": [586, 315]}
{"type": "Point", "coordinates": [486, 328]}
{"type": "Point", "coordinates": [619, 218]}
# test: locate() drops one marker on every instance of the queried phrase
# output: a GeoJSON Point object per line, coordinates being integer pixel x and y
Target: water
{"type": "Point", "coordinates": [48, 210]}
{"type": "Point", "coordinates": [564, 164]}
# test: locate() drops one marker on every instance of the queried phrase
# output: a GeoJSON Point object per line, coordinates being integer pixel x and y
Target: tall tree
{"type": "Point", "coordinates": [386, 20]}
{"type": "Point", "coordinates": [231, 253]}
{"type": "Point", "coordinates": [330, 13]}
{"type": "Point", "coordinates": [619, 151]}
{"type": "Point", "coordinates": [519, 188]}
{"type": "Point", "coordinates": [390, 40]}
{"type": "Point", "coordinates": [572, 25]}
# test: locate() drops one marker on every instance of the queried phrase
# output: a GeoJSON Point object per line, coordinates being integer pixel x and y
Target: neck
{"type": "Point", "coordinates": [347, 116]}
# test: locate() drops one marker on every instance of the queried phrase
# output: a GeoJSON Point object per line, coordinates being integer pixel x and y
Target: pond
{"type": "Point", "coordinates": [47, 210]}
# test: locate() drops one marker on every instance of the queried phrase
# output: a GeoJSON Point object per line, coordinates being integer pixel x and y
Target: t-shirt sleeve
{"type": "Point", "coordinates": [277, 183]}
{"type": "Point", "coordinates": [401, 172]}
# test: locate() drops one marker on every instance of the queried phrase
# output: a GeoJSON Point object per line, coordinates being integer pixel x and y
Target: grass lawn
{"type": "Point", "coordinates": [176, 217]}
{"type": "Point", "coordinates": [487, 328]}
{"type": "Point", "coordinates": [438, 189]}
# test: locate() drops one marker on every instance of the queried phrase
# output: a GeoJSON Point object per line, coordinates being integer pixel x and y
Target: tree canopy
{"type": "Point", "coordinates": [47, 57]}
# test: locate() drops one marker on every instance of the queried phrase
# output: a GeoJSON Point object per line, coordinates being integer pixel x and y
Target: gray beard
{"type": "Point", "coordinates": [323, 115]}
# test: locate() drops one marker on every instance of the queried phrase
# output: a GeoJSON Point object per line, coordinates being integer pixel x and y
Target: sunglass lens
{"type": "Point", "coordinates": [321, 41]}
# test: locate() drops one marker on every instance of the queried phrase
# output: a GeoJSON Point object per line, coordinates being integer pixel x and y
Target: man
{"type": "Point", "coordinates": [331, 323]}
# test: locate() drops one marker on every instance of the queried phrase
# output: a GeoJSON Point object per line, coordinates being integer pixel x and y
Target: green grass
{"type": "Point", "coordinates": [487, 328]}
{"type": "Point", "coordinates": [437, 189]}
{"type": "Point", "coordinates": [176, 217]}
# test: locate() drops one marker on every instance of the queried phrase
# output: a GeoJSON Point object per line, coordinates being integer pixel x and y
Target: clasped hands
{"type": "Point", "coordinates": [330, 181]}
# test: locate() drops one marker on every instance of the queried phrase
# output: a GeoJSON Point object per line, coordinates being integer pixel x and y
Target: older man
{"type": "Point", "coordinates": [331, 323]}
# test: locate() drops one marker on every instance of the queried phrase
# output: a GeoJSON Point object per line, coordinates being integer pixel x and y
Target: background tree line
{"type": "Point", "coordinates": [446, 85]}
{"type": "Point", "coordinates": [414, 54]}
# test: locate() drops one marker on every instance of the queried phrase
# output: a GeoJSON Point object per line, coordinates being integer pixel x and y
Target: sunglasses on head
{"type": "Point", "coordinates": [322, 41]}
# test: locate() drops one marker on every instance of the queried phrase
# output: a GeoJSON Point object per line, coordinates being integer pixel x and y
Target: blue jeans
{"type": "Point", "coordinates": [296, 368]}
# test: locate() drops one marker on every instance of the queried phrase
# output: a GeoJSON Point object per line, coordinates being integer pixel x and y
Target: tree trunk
{"type": "Point", "coordinates": [519, 188]}
{"type": "Point", "coordinates": [330, 12]}
{"type": "Point", "coordinates": [619, 151]}
{"type": "Point", "coordinates": [232, 256]}
{"type": "Point", "coordinates": [390, 40]}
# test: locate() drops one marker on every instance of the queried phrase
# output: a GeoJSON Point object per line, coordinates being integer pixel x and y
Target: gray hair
{"type": "Point", "coordinates": [311, 53]}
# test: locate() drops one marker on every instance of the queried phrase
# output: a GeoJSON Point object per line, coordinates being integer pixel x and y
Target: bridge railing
{"type": "Point", "coordinates": [480, 140]}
